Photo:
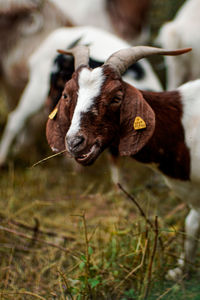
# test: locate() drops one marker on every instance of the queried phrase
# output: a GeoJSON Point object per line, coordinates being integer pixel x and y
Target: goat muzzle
{"type": "Point", "coordinates": [83, 152]}
{"type": "Point", "coordinates": [75, 144]}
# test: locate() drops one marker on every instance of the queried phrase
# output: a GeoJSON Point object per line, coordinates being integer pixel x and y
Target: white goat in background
{"type": "Point", "coordinates": [183, 31]}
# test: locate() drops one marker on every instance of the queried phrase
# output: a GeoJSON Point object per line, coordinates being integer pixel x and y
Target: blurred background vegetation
{"type": "Point", "coordinates": [68, 233]}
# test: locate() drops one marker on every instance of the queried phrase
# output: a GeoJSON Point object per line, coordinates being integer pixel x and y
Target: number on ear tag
{"type": "Point", "coordinates": [53, 113]}
{"type": "Point", "coordinates": [139, 123]}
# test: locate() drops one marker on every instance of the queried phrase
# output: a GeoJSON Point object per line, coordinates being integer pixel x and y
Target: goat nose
{"type": "Point", "coordinates": [75, 142]}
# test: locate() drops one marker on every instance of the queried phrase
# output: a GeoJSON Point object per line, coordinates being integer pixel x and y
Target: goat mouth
{"type": "Point", "coordinates": [89, 157]}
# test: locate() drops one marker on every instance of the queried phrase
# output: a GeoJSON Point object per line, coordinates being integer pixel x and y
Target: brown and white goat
{"type": "Point", "coordinates": [127, 18]}
{"type": "Point", "coordinates": [24, 24]}
{"type": "Point", "coordinates": [98, 109]}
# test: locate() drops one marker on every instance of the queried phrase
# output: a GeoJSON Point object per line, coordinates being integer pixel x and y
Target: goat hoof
{"type": "Point", "coordinates": [175, 274]}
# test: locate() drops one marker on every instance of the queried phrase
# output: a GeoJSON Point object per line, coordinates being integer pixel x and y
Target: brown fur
{"type": "Point", "coordinates": [13, 7]}
{"type": "Point", "coordinates": [134, 105]}
{"type": "Point", "coordinates": [167, 146]}
{"type": "Point", "coordinates": [128, 16]}
{"type": "Point", "coordinates": [57, 127]}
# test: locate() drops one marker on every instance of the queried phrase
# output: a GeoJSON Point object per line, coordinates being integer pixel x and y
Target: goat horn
{"type": "Point", "coordinates": [80, 53]}
{"type": "Point", "coordinates": [124, 58]}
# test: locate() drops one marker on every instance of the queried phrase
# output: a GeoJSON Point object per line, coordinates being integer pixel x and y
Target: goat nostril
{"type": "Point", "coordinates": [75, 142]}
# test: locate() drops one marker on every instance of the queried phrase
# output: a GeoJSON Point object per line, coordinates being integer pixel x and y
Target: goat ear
{"type": "Point", "coordinates": [137, 122]}
{"type": "Point", "coordinates": [57, 126]}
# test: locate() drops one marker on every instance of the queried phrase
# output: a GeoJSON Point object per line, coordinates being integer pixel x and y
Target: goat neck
{"type": "Point", "coordinates": [167, 147]}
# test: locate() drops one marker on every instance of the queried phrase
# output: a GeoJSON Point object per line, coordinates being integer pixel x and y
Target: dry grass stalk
{"type": "Point", "coordinates": [39, 231]}
{"type": "Point", "coordinates": [87, 269]}
{"type": "Point", "coordinates": [62, 275]}
{"type": "Point", "coordinates": [152, 259]}
{"type": "Point", "coordinates": [22, 293]}
{"type": "Point", "coordinates": [31, 238]}
{"type": "Point", "coordinates": [141, 212]}
{"type": "Point", "coordinates": [136, 268]}
{"type": "Point", "coordinates": [47, 158]}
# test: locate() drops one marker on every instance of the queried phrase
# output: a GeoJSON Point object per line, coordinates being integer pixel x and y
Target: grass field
{"type": "Point", "coordinates": [72, 235]}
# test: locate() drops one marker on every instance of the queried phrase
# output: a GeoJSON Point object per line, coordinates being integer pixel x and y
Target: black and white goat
{"type": "Point", "coordinates": [99, 109]}
{"type": "Point", "coordinates": [41, 71]}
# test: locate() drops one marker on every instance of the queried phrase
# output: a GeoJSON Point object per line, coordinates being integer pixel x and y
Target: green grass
{"type": "Point", "coordinates": [94, 244]}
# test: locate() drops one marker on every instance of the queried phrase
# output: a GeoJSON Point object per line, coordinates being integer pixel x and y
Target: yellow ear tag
{"type": "Point", "coordinates": [139, 123]}
{"type": "Point", "coordinates": [53, 113]}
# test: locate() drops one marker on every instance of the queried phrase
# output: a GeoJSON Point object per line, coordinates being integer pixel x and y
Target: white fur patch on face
{"type": "Point", "coordinates": [90, 82]}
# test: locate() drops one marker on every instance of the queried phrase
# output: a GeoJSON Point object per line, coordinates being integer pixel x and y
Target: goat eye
{"type": "Point", "coordinates": [116, 100]}
{"type": "Point", "coordinates": [65, 96]}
